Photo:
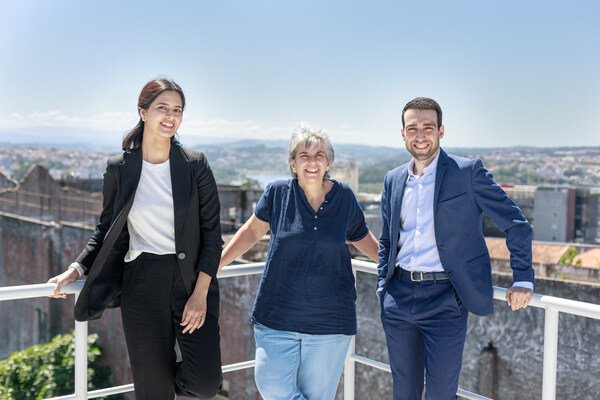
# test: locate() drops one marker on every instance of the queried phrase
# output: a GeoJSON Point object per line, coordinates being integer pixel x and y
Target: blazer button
{"type": "Point", "coordinates": [181, 255]}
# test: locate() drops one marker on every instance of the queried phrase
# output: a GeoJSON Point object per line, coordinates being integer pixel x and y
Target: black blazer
{"type": "Point", "coordinates": [198, 240]}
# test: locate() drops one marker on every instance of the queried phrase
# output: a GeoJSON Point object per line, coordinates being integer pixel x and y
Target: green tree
{"type": "Point", "coordinates": [47, 370]}
{"type": "Point", "coordinates": [572, 172]}
{"type": "Point", "coordinates": [374, 173]}
{"type": "Point", "coordinates": [568, 256]}
{"type": "Point", "coordinates": [250, 183]}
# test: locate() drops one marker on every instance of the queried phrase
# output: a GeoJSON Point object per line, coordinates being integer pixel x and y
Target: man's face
{"type": "Point", "coordinates": [421, 134]}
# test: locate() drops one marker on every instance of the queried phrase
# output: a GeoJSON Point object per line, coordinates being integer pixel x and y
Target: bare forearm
{"type": "Point", "coordinates": [243, 240]}
{"type": "Point", "coordinates": [368, 246]}
{"type": "Point", "coordinates": [202, 284]}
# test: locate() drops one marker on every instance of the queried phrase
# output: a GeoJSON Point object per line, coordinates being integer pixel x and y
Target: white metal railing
{"type": "Point", "coordinates": [552, 306]}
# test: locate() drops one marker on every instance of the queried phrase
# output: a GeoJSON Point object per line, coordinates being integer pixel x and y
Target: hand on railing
{"type": "Point", "coordinates": [70, 275]}
{"type": "Point", "coordinates": [518, 297]}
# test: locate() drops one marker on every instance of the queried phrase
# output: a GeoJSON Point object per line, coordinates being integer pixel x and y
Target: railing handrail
{"type": "Point", "coordinates": [552, 305]}
{"type": "Point", "coordinates": [37, 290]}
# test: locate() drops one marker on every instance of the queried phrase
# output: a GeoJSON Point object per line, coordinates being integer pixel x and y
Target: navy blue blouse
{"type": "Point", "coordinates": [308, 285]}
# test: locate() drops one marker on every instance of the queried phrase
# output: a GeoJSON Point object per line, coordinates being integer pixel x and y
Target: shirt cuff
{"type": "Point", "coordinates": [524, 284]}
{"type": "Point", "coordinates": [76, 266]}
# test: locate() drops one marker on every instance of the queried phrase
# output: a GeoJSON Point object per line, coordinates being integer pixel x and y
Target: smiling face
{"type": "Point", "coordinates": [163, 117]}
{"type": "Point", "coordinates": [422, 135]}
{"type": "Point", "coordinates": [310, 164]}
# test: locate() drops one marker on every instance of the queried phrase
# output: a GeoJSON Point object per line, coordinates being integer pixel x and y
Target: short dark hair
{"type": "Point", "coordinates": [423, 103]}
{"type": "Point", "coordinates": [152, 89]}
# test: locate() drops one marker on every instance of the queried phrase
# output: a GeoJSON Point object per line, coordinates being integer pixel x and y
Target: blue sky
{"type": "Point", "coordinates": [505, 72]}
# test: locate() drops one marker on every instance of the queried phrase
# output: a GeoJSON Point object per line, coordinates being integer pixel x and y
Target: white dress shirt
{"type": "Point", "coordinates": [418, 248]}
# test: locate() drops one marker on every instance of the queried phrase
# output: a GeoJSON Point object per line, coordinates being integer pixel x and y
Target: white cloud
{"type": "Point", "coordinates": [121, 121]}
{"type": "Point", "coordinates": [57, 119]}
{"type": "Point", "coordinates": [369, 138]}
{"type": "Point", "coordinates": [192, 128]}
{"type": "Point", "coordinates": [233, 129]}
{"type": "Point", "coordinates": [109, 121]}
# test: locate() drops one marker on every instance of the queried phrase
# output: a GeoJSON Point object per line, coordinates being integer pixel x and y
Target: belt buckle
{"type": "Point", "coordinates": [419, 276]}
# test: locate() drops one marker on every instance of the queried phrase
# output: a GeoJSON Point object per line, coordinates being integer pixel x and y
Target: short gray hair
{"type": "Point", "coordinates": [308, 137]}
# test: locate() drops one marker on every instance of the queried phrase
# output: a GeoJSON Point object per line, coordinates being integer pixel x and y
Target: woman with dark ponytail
{"type": "Point", "coordinates": [155, 253]}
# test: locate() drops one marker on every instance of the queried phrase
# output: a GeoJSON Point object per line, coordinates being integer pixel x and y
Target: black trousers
{"type": "Point", "coordinates": [152, 305]}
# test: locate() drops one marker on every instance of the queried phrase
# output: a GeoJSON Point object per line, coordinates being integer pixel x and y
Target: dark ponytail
{"type": "Point", "coordinates": [152, 89]}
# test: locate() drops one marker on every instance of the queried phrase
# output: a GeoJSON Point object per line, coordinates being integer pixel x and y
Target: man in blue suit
{"type": "Point", "coordinates": [434, 265]}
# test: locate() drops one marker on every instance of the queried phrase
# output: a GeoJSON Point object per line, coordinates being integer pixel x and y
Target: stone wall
{"type": "Point", "coordinates": [518, 339]}
{"type": "Point", "coordinates": [6, 182]}
{"type": "Point", "coordinates": [237, 334]}
{"type": "Point", "coordinates": [561, 271]}
{"type": "Point", "coordinates": [237, 205]}
{"type": "Point", "coordinates": [32, 251]}
{"type": "Point", "coordinates": [26, 322]}
{"type": "Point", "coordinates": [39, 196]}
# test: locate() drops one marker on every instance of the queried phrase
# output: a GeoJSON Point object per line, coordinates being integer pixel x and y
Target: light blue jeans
{"type": "Point", "coordinates": [297, 366]}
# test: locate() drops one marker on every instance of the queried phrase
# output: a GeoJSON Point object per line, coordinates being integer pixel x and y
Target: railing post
{"type": "Point", "coordinates": [81, 359]}
{"type": "Point", "coordinates": [349, 371]}
{"type": "Point", "coordinates": [349, 365]}
{"type": "Point", "coordinates": [550, 354]}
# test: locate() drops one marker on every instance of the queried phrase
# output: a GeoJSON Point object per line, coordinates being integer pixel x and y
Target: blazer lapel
{"type": "Point", "coordinates": [130, 171]}
{"type": "Point", "coordinates": [180, 183]}
{"type": "Point", "coordinates": [398, 195]}
{"type": "Point", "coordinates": [439, 175]}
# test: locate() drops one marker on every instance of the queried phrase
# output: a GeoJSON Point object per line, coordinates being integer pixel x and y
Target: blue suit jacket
{"type": "Point", "coordinates": [464, 190]}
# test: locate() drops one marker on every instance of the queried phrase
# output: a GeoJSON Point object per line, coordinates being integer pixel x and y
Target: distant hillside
{"type": "Point", "coordinates": [236, 161]}
{"type": "Point", "coordinates": [362, 154]}
{"type": "Point", "coordinates": [232, 161]}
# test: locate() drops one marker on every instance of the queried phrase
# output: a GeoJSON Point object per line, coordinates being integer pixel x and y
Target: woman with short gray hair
{"type": "Point", "coordinates": [304, 314]}
{"type": "Point", "coordinates": [307, 136]}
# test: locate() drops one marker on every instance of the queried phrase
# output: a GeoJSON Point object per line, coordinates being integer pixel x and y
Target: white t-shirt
{"type": "Point", "coordinates": [151, 220]}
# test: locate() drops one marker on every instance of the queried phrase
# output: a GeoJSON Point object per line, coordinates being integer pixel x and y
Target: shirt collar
{"type": "Point", "coordinates": [428, 170]}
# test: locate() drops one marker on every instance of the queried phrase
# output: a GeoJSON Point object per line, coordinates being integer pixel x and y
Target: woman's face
{"type": "Point", "coordinates": [163, 117]}
{"type": "Point", "coordinates": [311, 163]}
